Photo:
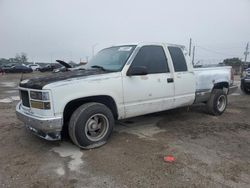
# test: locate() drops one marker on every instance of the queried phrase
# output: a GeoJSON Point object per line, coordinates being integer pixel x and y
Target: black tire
{"type": "Point", "coordinates": [83, 119]}
{"type": "Point", "coordinates": [217, 103]}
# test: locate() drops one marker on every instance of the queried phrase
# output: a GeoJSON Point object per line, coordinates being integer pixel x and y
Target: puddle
{"type": "Point", "coordinates": [233, 111]}
{"type": "Point", "coordinates": [15, 98]}
{"type": "Point", "coordinates": [10, 99]}
{"type": "Point", "coordinates": [143, 127]}
{"type": "Point", "coordinates": [237, 82]}
{"type": "Point", "coordinates": [9, 84]}
{"type": "Point", "coordinates": [6, 100]}
{"type": "Point", "coordinates": [69, 163]}
{"type": "Point", "coordinates": [142, 131]}
{"type": "Point", "coordinates": [69, 150]}
{"type": "Point", "coordinates": [11, 91]}
{"type": "Point", "coordinates": [235, 94]}
{"type": "Point", "coordinates": [60, 171]}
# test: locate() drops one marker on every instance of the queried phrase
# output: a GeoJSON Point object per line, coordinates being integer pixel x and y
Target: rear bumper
{"type": "Point", "coordinates": [232, 89]}
{"type": "Point", "coordinates": [44, 127]}
{"type": "Point", "coordinates": [245, 82]}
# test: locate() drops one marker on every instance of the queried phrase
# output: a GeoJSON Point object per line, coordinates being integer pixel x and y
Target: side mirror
{"type": "Point", "coordinates": [137, 71]}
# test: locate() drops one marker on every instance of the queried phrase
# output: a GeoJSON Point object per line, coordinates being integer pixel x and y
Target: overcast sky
{"type": "Point", "coordinates": [67, 29]}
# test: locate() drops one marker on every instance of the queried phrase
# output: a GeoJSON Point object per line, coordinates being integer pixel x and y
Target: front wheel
{"type": "Point", "coordinates": [91, 125]}
{"type": "Point", "coordinates": [217, 103]}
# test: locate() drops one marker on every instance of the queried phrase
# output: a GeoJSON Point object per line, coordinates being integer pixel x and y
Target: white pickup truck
{"type": "Point", "coordinates": [120, 82]}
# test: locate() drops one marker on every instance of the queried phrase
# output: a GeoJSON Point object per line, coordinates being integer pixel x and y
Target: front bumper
{"type": "Point", "coordinates": [44, 127]}
{"type": "Point", "coordinates": [232, 89]}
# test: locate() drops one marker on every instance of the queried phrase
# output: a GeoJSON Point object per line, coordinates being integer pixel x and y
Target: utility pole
{"type": "Point", "coordinates": [193, 55]}
{"type": "Point", "coordinates": [93, 49]}
{"type": "Point", "coordinates": [246, 52]}
{"type": "Point", "coordinates": [190, 46]}
{"type": "Point", "coordinates": [245, 60]}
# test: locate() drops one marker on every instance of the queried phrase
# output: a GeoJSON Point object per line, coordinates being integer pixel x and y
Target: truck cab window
{"type": "Point", "coordinates": [153, 58]}
{"type": "Point", "coordinates": [178, 59]}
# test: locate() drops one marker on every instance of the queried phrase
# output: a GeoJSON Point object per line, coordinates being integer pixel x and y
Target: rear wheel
{"type": "Point", "coordinates": [91, 125]}
{"type": "Point", "coordinates": [217, 103]}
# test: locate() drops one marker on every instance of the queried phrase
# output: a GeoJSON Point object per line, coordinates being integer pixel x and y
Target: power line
{"type": "Point", "coordinates": [213, 51]}
{"type": "Point", "coordinates": [190, 46]}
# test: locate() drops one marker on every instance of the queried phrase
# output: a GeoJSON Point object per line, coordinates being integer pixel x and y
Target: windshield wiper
{"type": "Point", "coordinates": [98, 67]}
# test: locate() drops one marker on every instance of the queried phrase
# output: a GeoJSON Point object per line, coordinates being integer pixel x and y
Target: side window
{"type": "Point", "coordinates": [178, 59]}
{"type": "Point", "coordinates": [153, 58]}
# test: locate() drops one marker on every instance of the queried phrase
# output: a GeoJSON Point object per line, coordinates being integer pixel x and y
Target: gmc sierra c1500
{"type": "Point", "coordinates": [119, 82]}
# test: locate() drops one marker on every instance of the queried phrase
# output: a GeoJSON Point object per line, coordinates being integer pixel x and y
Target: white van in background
{"type": "Point", "coordinates": [35, 67]}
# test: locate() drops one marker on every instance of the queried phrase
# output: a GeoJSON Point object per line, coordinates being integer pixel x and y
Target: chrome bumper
{"type": "Point", "coordinates": [232, 89]}
{"type": "Point", "coordinates": [247, 80]}
{"type": "Point", "coordinates": [44, 127]}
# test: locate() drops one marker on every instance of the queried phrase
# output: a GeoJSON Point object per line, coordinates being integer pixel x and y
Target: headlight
{"type": "Point", "coordinates": [38, 95]}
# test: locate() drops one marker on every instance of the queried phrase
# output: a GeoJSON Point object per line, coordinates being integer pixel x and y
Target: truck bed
{"type": "Point", "coordinates": [207, 77]}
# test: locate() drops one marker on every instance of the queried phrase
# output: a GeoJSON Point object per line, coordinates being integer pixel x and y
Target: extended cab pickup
{"type": "Point", "coordinates": [119, 82]}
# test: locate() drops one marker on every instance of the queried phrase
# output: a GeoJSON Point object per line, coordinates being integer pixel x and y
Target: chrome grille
{"type": "Point", "coordinates": [25, 98]}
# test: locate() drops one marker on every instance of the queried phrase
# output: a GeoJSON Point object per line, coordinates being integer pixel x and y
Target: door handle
{"type": "Point", "coordinates": [170, 80]}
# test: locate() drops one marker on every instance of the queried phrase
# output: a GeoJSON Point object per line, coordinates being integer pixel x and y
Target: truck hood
{"type": "Point", "coordinates": [40, 82]}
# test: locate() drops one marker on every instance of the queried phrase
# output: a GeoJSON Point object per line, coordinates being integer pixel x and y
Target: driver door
{"type": "Point", "coordinates": [152, 92]}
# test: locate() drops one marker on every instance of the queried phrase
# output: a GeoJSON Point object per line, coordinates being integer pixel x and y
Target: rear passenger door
{"type": "Point", "coordinates": [184, 78]}
{"type": "Point", "coordinates": [152, 92]}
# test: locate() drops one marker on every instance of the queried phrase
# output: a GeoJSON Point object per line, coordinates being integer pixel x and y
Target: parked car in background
{"type": "Point", "coordinates": [61, 69]}
{"type": "Point", "coordinates": [7, 67]}
{"type": "Point", "coordinates": [17, 69]}
{"type": "Point", "coordinates": [34, 67]}
{"type": "Point", "coordinates": [50, 67]}
{"type": "Point", "coordinates": [245, 81]}
{"type": "Point", "coordinates": [1, 70]}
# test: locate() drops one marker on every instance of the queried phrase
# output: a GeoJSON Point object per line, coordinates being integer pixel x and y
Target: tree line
{"type": "Point", "coordinates": [21, 58]}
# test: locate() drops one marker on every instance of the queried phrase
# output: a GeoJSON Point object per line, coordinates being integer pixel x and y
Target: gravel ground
{"type": "Point", "coordinates": [209, 151]}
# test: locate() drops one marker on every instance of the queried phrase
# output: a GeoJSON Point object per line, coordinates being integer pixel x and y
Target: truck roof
{"type": "Point", "coordinates": [152, 43]}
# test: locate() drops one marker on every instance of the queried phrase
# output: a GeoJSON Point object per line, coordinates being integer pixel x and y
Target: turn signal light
{"type": "Point", "coordinates": [40, 105]}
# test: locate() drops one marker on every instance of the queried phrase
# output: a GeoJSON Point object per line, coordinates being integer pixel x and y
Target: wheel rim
{"type": "Point", "coordinates": [221, 103]}
{"type": "Point", "coordinates": [96, 127]}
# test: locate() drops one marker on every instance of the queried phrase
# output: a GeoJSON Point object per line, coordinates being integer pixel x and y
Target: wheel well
{"type": "Point", "coordinates": [221, 85]}
{"type": "Point", "coordinates": [74, 104]}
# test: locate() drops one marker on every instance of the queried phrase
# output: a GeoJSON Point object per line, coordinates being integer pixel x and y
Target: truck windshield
{"type": "Point", "coordinates": [111, 59]}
